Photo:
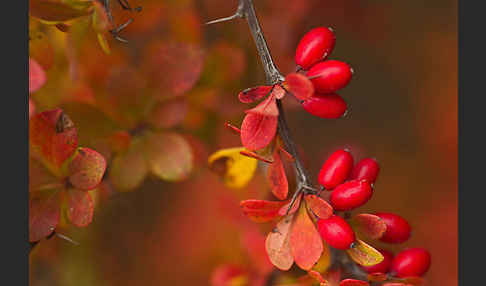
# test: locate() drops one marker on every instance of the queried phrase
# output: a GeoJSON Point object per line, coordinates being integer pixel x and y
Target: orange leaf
{"type": "Point", "coordinates": [277, 244]}
{"type": "Point", "coordinates": [52, 138]}
{"type": "Point", "coordinates": [305, 241]}
{"type": "Point", "coordinates": [364, 254]}
{"type": "Point", "coordinates": [299, 85]}
{"type": "Point", "coordinates": [283, 210]}
{"type": "Point", "coordinates": [377, 276]}
{"type": "Point", "coordinates": [317, 276]}
{"type": "Point", "coordinates": [37, 76]}
{"type": "Point", "coordinates": [261, 210]}
{"type": "Point", "coordinates": [44, 215]}
{"type": "Point", "coordinates": [80, 207]}
{"type": "Point", "coordinates": [277, 178]}
{"type": "Point", "coordinates": [86, 169]}
{"type": "Point", "coordinates": [353, 282]}
{"type": "Point", "coordinates": [252, 94]}
{"type": "Point", "coordinates": [371, 225]}
{"type": "Point", "coordinates": [319, 206]}
{"type": "Point", "coordinates": [257, 131]}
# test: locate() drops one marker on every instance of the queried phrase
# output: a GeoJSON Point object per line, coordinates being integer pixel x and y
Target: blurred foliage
{"type": "Point", "coordinates": [403, 110]}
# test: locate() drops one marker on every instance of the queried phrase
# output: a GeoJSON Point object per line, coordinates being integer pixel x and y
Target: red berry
{"type": "Point", "coordinates": [367, 169]}
{"type": "Point", "coordinates": [383, 266]}
{"type": "Point", "coordinates": [336, 169]}
{"type": "Point", "coordinates": [330, 76]}
{"type": "Point", "coordinates": [325, 105]}
{"type": "Point", "coordinates": [411, 262]}
{"type": "Point", "coordinates": [397, 228]}
{"type": "Point", "coordinates": [350, 195]}
{"type": "Point", "coordinates": [314, 46]}
{"type": "Point", "coordinates": [336, 232]}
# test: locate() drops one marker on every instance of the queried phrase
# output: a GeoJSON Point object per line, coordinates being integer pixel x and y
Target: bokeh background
{"type": "Point", "coordinates": [403, 112]}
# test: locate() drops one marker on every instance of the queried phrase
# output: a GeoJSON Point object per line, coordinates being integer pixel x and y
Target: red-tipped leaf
{"type": "Point", "coordinates": [80, 207]}
{"type": "Point", "coordinates": [86, 169]}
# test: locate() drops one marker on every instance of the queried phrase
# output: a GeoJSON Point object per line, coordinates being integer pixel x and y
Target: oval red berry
{"type": "Point", "coordinates": [397, 228]}
{"type": "Point", "coordinates": [330, 76]}
{"type": "Point", "coordinates": [383, 266]}
{"type": "Point", "coordinates": [367, 169]}
{"type": "Point", "coordinates": [411, 262]}
{"type": "Point", "coordinates": [335, 169]}
{"type": "Point", "coordinates": [350, 195]}
{"type": "Point", "coordinates": [314, 46]}
{"type": "Point", "coordinates": [325, 105]}
{"type": "Point", "coordinates": [336, 232]}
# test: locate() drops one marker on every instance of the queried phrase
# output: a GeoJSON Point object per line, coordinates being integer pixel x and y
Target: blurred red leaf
{"type": "Point", "coordinates": [44, 215]}
{"type": "Point", "coordinates": [353, 282]}
{"type": "Point", "coordinates": [278, 92]}
{"type": "Point", "coordinates": [169, 114]}
{"type": "Point", "coordinates": [37, 76]}
{"type": "Point", "coordinates": [86, 169]}
{"type": "Point", "coordinates": [254, 242]}
{"type": "Point", "coordinates": [371, 225]}
{"type": "Point", "coordinates": [228, 275]}
{"type": "Point", "coordinates": [267, 107]}
{"type": "Point", "coordinates": [174, 67]}
{"type": "Point", "coordinates": [261, 210]}
{"type": "Point", "coordinates": [414, 280]}
{"type": "Point", "coordinates": [299, 85]}
{"type": "Point", "coordinates": [80, 207]}
{"type": "Point", "coordinates": [319, 206]}
{"type": "Point", "coordinates": [305, 241]}
{"type": "Point", "coordinates": [252, 94]}
{"type": "Point", "coordinates": [57, 11]}
{"type": "Point", "coordinates": [277, 244]}
{"type": "Point", "coordinates": [396, 284]}
{"type": "Point", "coordinates": [377, 276]}
{"type": "Point", "coordinates": [169, 156]}
{"type": "Point", "coordinates": [52, 138]}
{"type": "Point", "coordinates": [257, 131]}
{"type": "Point", "coordinates": [31, 108]}
{"type": "Point", "coordinates": [277, 178]}
{"type": "Point", "coordinates": [317, 276]}
{"type": "Point", "coordinates": [119, 141]}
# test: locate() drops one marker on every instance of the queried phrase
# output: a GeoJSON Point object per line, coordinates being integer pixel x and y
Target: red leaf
{"type": "Point", "coordinates": [278, 92]}
{"type": "Point", "coordinates": [254, 155]}
{"type": "Point", "coordinates": [299, 85]}
{"type": "Point", "coordinates": [252, 94]}
{"type": "Point", "coordinates": [169, 114]}
{"type": "Point", "coordinates": [254, 243]}
{"type": "Point", "coordinates": [57, 11]}
{"type": "Point", "coordinates": [371, 225]}
{"type": "Point", "coordinates": [80, 207]}
{"type": "Point", "coordinates": [268, 107]}
{"type": "Point", "coordinates": [319, 206]}
{"type": "Point", "coordinates": [353, 282]}
{"type": "Point", "coordinates": [396, 284]}
{"type": "Point", "coordinates": [86, 169]}
{"type": "Point", "coordinates": [258, 131]}
{"type": "Point", "coordinates": [37, 76]}
{"type": "Point", "coordinates": [277, 178]}
{"type": "Point", "coordinates": [225, 275]}
{"type": "Point", "coordinates": [261, 210]}
{"type": "Point", "coordinates": [174, 67]}
{"type": "Point", "coordinates": [305, 242]}
{"type": "Point", "coordinates": [52, 138]}
{"type": "Point", "coordinates": [377, 276]}
{"type": "Point", "coordinates": [282, 211]}
{"type": "Point", "coordinates": [413, 280]}
{"type": "Point", "coordinates": [44, 215]}
{"type": "Point", "coordinates": [277, 244]}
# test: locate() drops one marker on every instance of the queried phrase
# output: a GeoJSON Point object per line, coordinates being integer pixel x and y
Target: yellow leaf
{"type": "Point", "coordinates": [236, 169]}
{"type": "Point", "coordinates": [364, 254]}
{"type": "Point", "coordinates": [324, 261]}
{"type": "Point", "coordinates": [104, 43]}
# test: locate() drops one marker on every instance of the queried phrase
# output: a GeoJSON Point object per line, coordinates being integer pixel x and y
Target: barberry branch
{"type": "Point", "coordinates": [273, 76]}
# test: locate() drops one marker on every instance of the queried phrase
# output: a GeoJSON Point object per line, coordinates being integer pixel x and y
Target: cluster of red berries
{"type": "Point", "coordinates": [351, 187]}
{"type": "Point", "coordinates": [327, 76]}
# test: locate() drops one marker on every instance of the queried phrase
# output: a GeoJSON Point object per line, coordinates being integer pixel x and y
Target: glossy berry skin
{"type": "Point", "coordinates": [329, 76]}
{"type": "Point", "coordinates": [383, 266]}
{"type": "Point", "coordinates": [351, 194]}
{"type": "Point", "coordinates": [314, 46]}
{"type": "Point", "coordinates": [411, 262]}
{"type": "Point", "coordinates": [367, 169]}
{"type": "Point", "coordinates": [325, 105]}
{"type": "Point", "coordinates": [336, 232]}
{"type": "Point", "coordinates": [397, 228]}
{"type": "Point", "coordinates": [335, 169]}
